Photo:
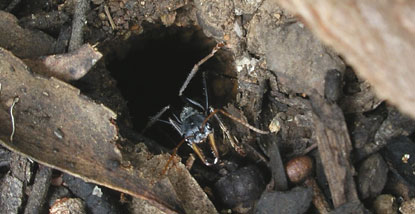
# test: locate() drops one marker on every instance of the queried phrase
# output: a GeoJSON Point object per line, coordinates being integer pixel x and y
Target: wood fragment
{"type": "Point", "coordinates": [13, 186]}
{"type": "Point", "coordinates": [12, 5]}
{"type": "Point", "coordinates": [108, 14]}
{"type": "Point", "coordinates": [39, 190]}
{"type": "Point", "coordinates": [69, 66]}
{"type": "Point", "coordinates": [197, 65]}
{"type": "Point", "coordinates": [79, 20]}
{"type": "Point", "coordinates": [59, 128]}
{"type": "Point", "coordinates": [376, 37]}
{"type": "Point", "coordinates": [334, 147]}
{"type": "Point", "coordinates": [24, 43]}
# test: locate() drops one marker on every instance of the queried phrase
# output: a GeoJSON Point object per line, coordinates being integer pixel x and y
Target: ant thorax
{"type": "Point", "coordinates": [193, 127]}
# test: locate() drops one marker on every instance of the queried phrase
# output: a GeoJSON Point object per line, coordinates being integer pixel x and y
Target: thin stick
{"type": "Point", "coordinates": [78, 23]}
{"type": "Point", "coordinates": [15, 100]}
{"type": "Point", "coordinates": [12, 5]}
{"type": "Point", "coordinates": [196, 67]}
{"type": "Point", "coordinates": [107, 12]}
{"type": "Point", "coordinates": [155, 118]}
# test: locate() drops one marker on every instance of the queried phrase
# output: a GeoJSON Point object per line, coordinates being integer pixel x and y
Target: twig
{"type": "Point", "coordinates": [196, 67]}
{"type": "Point", "coordinates": [155, 118]}
{"type": "Point", "coordinates": [78, 23]}
{"type": "Point", "coordinates": [15, 100]}
{"type": "Point", "coordinates": [12, 5]}
{"type": "Point", "coordinates": [39, 190]}
{"type": "Point", "coordinates": [107, 12]}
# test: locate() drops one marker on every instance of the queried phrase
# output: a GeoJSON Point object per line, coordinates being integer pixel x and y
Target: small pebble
{"type": "Point", "coordinates": [408, 207]}
{"type": "Point", "coordinates": [385, 204]}
{"type": "Point", "coordinates": [68, 206]}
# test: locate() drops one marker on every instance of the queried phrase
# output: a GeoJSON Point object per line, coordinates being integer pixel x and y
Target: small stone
{"type": "Point", "coordinates": [372, 176]}
{"type": "Point", "coordinates": [408, 207]}
{"type": "Point", "coordinates": [102, 16]}
{"type": "Point", "coordinates": [241, 186]}
{"type": "Point", "coordinates": [275, 125]}
{"type": "Point", "coordinates": [295, 201]}
{"type": "Point", "coordinates": [385, 204]}
{"type": "Point", "coordinates": [68, 205]}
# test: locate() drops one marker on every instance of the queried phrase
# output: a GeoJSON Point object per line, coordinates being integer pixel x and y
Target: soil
{"type": "Point", "coordinates": [271, 73]}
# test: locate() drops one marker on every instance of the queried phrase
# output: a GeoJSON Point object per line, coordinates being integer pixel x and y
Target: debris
{"type": "Point", "coordinates": [108, 14]}
{"type": "Point", "coordinates": [48, 21]}
{"type": "Point", "coordinates": [299, 170]}
{"type": "Point", "coordinates": [334, 147]}
{"type": "Point", "coordinates": [39, 190]}
{"type": "Point", "coordinates": [68, 205]}
{"type": "Point", "coordinates": [78, 22]}
{"type": "Point", "coordinates": [197, 65]}
{"type": "Point", "coordinates": [295, 201]}
{"type": "Point", "coordinates": [94, 201]}
{"type": "Point", "coordinates": [372, 176]}
{"type": "Point", "coordinates": [385, 203]}
{"type": "Point", "coordinates": [389, 72]}
{"type": "Point", "coordinates": [22, 42]}
{"type": "Point", "coordinates": [407, 207]}
{"type": "Point", "coordinates": [69, 66]}
{"type": "Point", "coordinates": [15, 100]}
{"type": "Point", "coordinates": [14, 184]}
{"type": "Point", "coordinates": [83, 123]}
{"type": "Point", "coordinates": [242, 186]}
{"type": "Point", "coordinates": [393, 153]}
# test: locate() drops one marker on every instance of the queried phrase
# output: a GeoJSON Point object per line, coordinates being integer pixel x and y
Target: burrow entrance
{"type": "Point", "coordinates": [153, 67]}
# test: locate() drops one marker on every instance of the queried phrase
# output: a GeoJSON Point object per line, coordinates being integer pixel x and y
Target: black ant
{"type": "Point", "coordinates": [193, 125]}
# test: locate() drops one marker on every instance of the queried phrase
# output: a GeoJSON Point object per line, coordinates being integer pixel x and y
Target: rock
{"type": "Point", "coordinates": [385, 204]}
{"type": "Point", "coordinates": [241, 186]}
{"type": "Point", "coordinates": [291, 51]}
{"type": "Point", "coordinates": [68, 205]}
{"type": "Point", "coordinates": [351, 208]}
{"type": "Point", "coordinates": [408, 207]}
{"type": "Point", "coordinates": [400, 153]}
{"type": "Point", "coordinates": [296, 201]}
{"type": "Point", "coordinates": [372, 176]}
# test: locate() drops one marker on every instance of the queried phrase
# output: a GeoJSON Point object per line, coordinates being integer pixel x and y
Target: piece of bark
{"type": "Point", "coordinates": [12, 5]}
{"type": "Point", "coordinates": [23, 42]}
{"type": "Point", "coordinates": [334, 147]}
{"type": "Point", "coordinates": [277, 167]}
{"type": "Point", "coordinates": [376, 37]}
{"type": "Point", "coordinates": [67, 67]}
{"type": "Point", "coordinates": [78, 22]}
{"type": "Point", "coordinates": [59, 128]}
{"type": "Point", "coordinates": [68, 205]}
{"type": "Point", "coordinates": [13, 186]}
{"type": "Point", "coordinates": [11, 195]}
{"type": "Point", "coordinates": [39, 190]}
{"type": "Point", "coordinates": [45, 21]}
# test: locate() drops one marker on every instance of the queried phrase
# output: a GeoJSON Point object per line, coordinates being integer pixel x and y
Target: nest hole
{"type": "Point", "coordinates": [152, 67]}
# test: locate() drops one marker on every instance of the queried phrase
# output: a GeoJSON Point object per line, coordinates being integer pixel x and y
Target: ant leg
{"type": "Point", "coordinates": [166, 167]}
{"type": "Point", "coordinates": [215, 111]}
{"type": "Point", "coordinates": [213, 147]}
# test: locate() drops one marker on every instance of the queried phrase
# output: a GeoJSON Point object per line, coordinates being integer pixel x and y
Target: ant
{"type": "Point", "coordinates": [194, 126]}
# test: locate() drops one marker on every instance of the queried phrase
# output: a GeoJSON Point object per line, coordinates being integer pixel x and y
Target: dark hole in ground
{"type": "Point", "coordinates": [155, 67]}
